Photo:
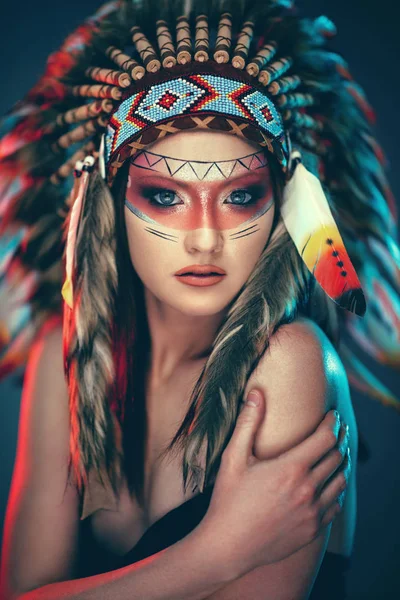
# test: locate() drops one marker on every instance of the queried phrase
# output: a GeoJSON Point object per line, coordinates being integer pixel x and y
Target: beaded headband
{"type": "Point", "coordinates": [202, 92]}
{"type": "Point", "coordinates": [178, 87]}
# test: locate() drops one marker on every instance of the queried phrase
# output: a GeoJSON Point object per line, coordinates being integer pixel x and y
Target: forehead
{"type": "Point", "coordinates": [147, 162]}
{"type": "Point", "coordinates": [200, 156]}
{"type": "Point", "coordinates": [203, 145]}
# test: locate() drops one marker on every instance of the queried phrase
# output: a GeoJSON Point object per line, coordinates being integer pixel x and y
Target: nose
{"type": "Point", "coordinates": [204, 240]}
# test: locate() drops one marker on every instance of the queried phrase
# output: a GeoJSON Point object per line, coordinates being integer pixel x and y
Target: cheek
{"type": "Point", "coordinates": [242, 250]}
{"type": "Point", "coordinates": [150, 254]}
{"type": "Point", "coordinates": [249, 243]}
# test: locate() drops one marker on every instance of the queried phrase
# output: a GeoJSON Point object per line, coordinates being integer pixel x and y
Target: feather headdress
{"type": "Point", "coordinates": [253, 69]}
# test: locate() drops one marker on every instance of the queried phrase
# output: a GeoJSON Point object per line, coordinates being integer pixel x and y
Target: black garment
{"type": "Point", "coordinates": [179, 522]}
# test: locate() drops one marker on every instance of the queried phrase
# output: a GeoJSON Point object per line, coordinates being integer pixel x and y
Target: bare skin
{"type": "Point", "coordinates": [41, 527]}
{"type": "Point", "coordinates": [224, 219]}
{"type": "Point", "coordinates": [197, 174]}
{"type": "Point", "coordinates": [211, 567]}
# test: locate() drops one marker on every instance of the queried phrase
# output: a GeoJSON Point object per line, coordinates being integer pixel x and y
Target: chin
{"type": "Point", "coordinates": [202, 310]}
{"type": "Point", "coordinates": [201, 307]}
{"type": "Point", "coordinates": [193, 302]}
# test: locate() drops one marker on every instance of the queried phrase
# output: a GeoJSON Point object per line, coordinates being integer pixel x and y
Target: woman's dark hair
{"type": "Point", "coordinates": [279, 288]}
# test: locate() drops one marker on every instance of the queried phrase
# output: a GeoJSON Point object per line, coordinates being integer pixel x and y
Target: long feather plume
{"type": "Point", "coordinates": [310, 223]}
{"type": "Point", "coordinates": [78, 192]}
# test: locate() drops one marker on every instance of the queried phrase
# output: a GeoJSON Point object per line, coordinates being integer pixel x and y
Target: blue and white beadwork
{"type": "Point", "coordinates": [198, 93]}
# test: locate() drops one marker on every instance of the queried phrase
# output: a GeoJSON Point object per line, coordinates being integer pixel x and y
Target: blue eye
{"type": "Point", "coordinates": [241, 196]}
{"type": "Point", "coordinates": [249, 196]}
{"type": "Point", "coordinates": [165, 197]}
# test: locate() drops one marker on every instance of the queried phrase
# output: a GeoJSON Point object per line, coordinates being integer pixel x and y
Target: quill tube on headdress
{"type": "Point", "coordinates": [310, 223]}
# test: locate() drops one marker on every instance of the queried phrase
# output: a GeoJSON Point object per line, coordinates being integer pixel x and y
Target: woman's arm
{"type": "Point", "coordinates": [302, 377]}
{"type": "Point", "coordinates": [40, 539]}
{"type": "Point", "coordinates": [188, 570]}
{"type": "Point", "coordinates": [41, 533]}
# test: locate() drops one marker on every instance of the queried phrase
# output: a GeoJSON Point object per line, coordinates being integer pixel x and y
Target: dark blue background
{"type": "Point", "coordinates": [368, 36]}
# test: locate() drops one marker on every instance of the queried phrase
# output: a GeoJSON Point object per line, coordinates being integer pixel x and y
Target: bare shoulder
{"type": "Point", "coordinates": [303, 351]}
{"type": "Point", "coordinates": [49, 340]}
{"type": "Point", "coordinates": [45, 367]}
{"type": "Point", "coordinates": [302, 377]}
{"type": "Point", "coordinates": [44, 403]}
{"type": "Point", "coordinates": [42, 517]}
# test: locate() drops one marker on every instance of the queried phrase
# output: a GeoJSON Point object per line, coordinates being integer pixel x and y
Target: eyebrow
{"type": "Point", "coordinates": [251, 175]}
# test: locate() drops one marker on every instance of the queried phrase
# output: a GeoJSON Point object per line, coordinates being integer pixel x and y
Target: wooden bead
{"type": "Point", "coordinates": [262, 58]}
{"type": "Point", "coordinates": [118, 78]}
{"type": "Point", "coordinates": [224, 38]}
{"type": "Point", "coordinates": [81, 132]}
{"type": "Point", "coordinates": [201, 39]}
{"type": "Point", "coordinates": [97, 91]}
{"type": "Point", "coordinates": [275, 70]}
{"type": "Point", "coordinates": [243, 44]}
{"type": "Point", "coordinates": [146, 50]}
{"type": "Point", "coordinates": [125, 62]}
{"type": "Point", "coordinates": [183, 40]}
{"type": "Point", "coordinates": [283, 85]}
{"type": "Point", "coordinates": [165, 44]}
{"type": "Point", "coordinates": [107, 106]}
{"type": "Point", "coordinates": [81, 113]}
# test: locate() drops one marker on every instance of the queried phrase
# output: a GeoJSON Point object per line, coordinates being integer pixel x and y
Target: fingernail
{"type": "Point", "coordinates": [253, 399]}
{"type": "Point", "coordinates": [337, 416]}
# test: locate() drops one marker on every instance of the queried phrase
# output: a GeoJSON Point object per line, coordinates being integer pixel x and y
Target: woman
{"type": "Point", "coordinates": [263, 323]}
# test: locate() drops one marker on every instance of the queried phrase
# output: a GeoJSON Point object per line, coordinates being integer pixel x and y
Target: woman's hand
{"type": "Point", "coordinates": [263, 511]}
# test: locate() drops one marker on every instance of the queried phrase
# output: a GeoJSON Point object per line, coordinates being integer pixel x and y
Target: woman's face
{"type": "Point", "coordinates": [198, 198]}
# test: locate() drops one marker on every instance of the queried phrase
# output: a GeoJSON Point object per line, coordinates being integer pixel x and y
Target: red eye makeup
{"type": "Point", "coordinates": [189, 206]}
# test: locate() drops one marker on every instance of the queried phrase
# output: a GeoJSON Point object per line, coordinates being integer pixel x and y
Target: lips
{"type": "Point", "coordinates": [200, 270]}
